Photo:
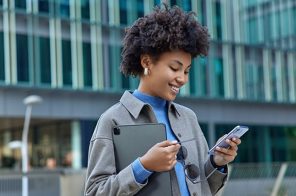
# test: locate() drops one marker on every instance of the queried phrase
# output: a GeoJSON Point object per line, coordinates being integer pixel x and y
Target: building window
{"type": "Point", "coordinates": [67, 63]}
{"type": "Point", "coordinates": [2, 70]}
{"type": "Point", "coordinates": [219, 77]}
{"type": "Point", "coordinates": [22, 58]}
{"type": "Point", "coordinates": [205, 129]}
{"type": "Point", "coordinates": [20, 4]}
{"type": "Point", "coordinates": [64, 8]}
{"type": "Point", "coordinates": [49, 139]}
{"type": "Point", "coordinates": [87, 68]}
{"type": "Point", "coordinates": [45, 70]}
{"type": "Point", "coordinates": [66, 54]}
{"type": "Point", "coordinates": [253, 31]}
{"type": "Point", "coordinates": [140, 8]}
{"type": "Point", "coordinates": [123, 12]}
{"type": "Point", "coordinates": [43, 6]}
{"type": "Point", "coordinates": [267, 24]}
{"type": "Point", "coordinates": [125, 82]}
{"type": "Point", "coordinates": [218, 20]}
{"type": "Point", "coordinates": [264, 143]}
{"type": "Point", "coordinates": [198, 77]}
{"type": "Point", "coordinates": [254, 74]}
{"type": "Point", "coordinates": [157, 2]}
{"type": "Point", "coordinates": [85, 9]}
{"type": "Point", "coordinates": [283, 146]}
{"type": "Point", "coordinates": [86, 55]}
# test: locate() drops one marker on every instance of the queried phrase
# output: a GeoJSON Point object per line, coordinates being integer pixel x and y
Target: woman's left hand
{"type": "Point", "coordinates": [224, 156]}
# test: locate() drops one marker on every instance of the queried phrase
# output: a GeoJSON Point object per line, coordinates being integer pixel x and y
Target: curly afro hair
{"type": "Point", "coordinates": [165, 29]}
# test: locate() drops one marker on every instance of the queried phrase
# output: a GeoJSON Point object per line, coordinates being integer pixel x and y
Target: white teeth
{"type": "Point", "coordinates": [175, 89]}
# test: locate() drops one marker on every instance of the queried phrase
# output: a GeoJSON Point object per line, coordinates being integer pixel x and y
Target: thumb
{"type": "Point", "coordinates": [221, 138]}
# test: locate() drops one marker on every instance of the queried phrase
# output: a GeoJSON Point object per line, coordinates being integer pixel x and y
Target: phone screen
{"type": "Point", "coordinates": [236, 132]}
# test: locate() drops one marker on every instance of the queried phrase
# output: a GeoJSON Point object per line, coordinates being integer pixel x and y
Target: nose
{"type": "Point", "coordinates": [182, 79]}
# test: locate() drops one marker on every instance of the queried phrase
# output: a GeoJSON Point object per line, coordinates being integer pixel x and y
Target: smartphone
{"type": "Point", "coordinates": [236, 132]}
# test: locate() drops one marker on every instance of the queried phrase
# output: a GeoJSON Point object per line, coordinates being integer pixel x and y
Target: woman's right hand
{"type": "Point", "coordinates": [161, 157]}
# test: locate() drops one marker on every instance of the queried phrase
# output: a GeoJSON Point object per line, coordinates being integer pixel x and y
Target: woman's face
{"type": "Point", "coordinates": [166, 76]}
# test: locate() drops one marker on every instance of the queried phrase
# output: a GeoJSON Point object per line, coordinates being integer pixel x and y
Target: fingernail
{"type": "Point", "coordinates": [227, 140]}
{"type": "Point", "coordinates": [174, 142]}
{"type": "Point", "coordinates": [218, 148]}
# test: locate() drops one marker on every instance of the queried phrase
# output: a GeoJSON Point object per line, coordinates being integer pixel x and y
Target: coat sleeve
{"type": "Point", "coordinates": [101, 176]}
{"type": "Point", "coordinates": [216, 180]}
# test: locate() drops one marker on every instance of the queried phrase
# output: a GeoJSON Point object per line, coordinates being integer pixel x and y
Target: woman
{"type": "Point", "coordinates": [158, 49]}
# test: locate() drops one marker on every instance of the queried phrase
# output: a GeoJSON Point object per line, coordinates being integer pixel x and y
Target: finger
{"type": "Point", "coordinates": [235, 148]}
{"type": "Point", "coordinates": [227, 158]}
{"type": "Point", "coordinates": [226, 151]}
{"type": "Point", "coordinates": [173, 148]}
{"type": "Point", "coordinates": [165, 143]}
{"type": "Point", "coordinates": [231, 143]}
{"type": "Point", "coordinates": [237, 141]}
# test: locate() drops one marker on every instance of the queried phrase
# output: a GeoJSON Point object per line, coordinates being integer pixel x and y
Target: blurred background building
{"type": "Point", "coordinates": [68, 52]}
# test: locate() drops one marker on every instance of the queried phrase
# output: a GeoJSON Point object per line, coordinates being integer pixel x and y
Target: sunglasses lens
{"type": "Point", "coordinates": [191, 171]}
{"type": "Point", "coordinates": [182, 154]}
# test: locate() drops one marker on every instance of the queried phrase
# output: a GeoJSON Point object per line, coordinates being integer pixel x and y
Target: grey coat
{"type": "Point", "coordinates": [102, 178]}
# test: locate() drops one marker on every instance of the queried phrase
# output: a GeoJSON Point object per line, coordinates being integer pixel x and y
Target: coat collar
{"type": "Point", "coordinates": [135, 106]}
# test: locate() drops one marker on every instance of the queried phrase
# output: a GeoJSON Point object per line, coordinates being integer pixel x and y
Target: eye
{"type": "Point", "coordinates": [187, 71]}
{"type": "Point", "coordinates": [174, 69]}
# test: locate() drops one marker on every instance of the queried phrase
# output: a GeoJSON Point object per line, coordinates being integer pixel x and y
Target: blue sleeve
{"type": "Point", "coordinates": [141, 174]}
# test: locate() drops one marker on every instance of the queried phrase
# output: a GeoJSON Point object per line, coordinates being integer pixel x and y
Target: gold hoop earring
{"type": "Point", "coordinates": [146, 71]}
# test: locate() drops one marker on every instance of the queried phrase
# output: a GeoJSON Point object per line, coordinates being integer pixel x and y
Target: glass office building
{"type": "Point", "coordinates": [68, 51]}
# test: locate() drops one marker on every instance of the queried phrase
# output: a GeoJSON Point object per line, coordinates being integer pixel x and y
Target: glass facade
{"type": "Point", "coordinates": [46, 140]}
{"type": "Point", "coordinates": [264, 143]}
{"type": "Point", "coordinates": [252, 53]}
{"type": "Point", "coordinates": [67, 44]}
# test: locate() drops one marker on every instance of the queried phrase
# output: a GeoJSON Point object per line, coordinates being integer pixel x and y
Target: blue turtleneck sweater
{"type": "Point", "coordinates": [160, 109]}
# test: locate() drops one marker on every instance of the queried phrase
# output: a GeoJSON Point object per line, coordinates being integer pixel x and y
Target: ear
{"type": "Point", "coordinates": [145, 60]}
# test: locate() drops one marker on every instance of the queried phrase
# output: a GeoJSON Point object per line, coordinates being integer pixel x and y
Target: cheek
{"type": "Point", "coordinates": [186, 78]}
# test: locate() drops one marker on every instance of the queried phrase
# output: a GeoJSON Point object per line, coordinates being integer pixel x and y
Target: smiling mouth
{"type": "Point", "coordinates": [175, 89]}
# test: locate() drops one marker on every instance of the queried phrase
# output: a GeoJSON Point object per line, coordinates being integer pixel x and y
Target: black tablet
{"type": "Point", "coordinates": [133, 141]}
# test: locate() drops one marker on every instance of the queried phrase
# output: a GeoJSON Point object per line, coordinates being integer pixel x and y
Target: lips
{"type": "Point", "coordinates": [175, 89]}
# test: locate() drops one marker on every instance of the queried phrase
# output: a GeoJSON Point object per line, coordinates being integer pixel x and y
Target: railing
{"type": "Point", "coordinates": [45, 183]}
{"type": "Point", "coordinates": [269, 179]}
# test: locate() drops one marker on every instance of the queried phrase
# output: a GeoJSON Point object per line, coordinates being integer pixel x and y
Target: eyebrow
{"type": "Point", "coordinates": [180, 63]}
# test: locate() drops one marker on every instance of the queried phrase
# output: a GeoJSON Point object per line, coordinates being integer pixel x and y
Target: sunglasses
{"type": "Point", "coordinates": [191, 170]}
